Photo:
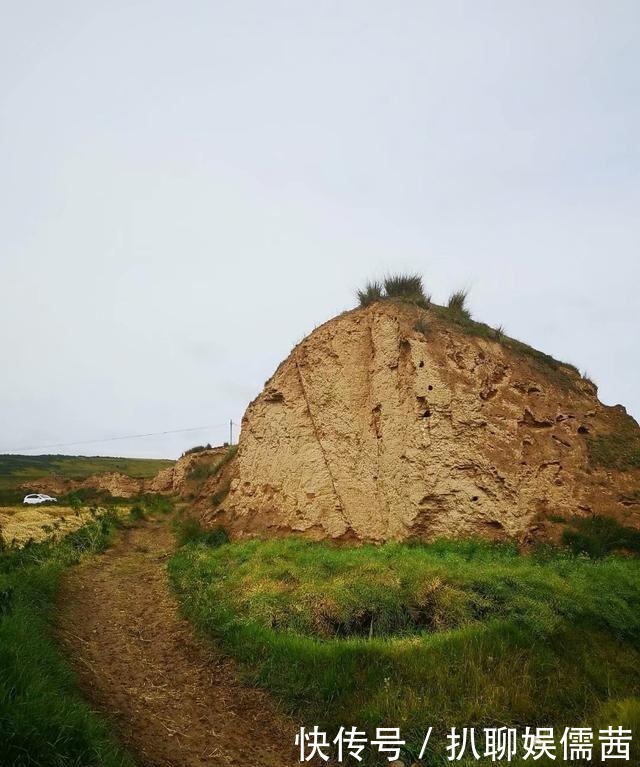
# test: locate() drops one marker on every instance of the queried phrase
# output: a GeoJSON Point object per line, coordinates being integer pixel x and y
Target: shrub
{"type": "Point", "coordinates": [457, 304]}
{"type": "Point", "coordinates": [196, 449]}
{"type": "Point", "coordinates": [74, 500]}
{"type": "Point", "coordinates": [403, 287]}
{"type": "Point", "coordinates": [155, 503]}
{"type": "Point", "coordinates": [191, 530]}
{"type": "Point", "coordinates": [372, 292]}
{"type": "Point", "coordinates": [407, 287]}
{"type": "Point", "coordinates": [136, 513]}
{"type": "Point", "coordinates": [83, 496]}
{"type": "Point", "coordinates": [598, 536]}
{"type": "Point", "coordinates": [220, 495]}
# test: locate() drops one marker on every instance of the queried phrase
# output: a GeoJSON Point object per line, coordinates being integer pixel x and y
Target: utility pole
{"type": "Point", "coordinates": [230, 432]}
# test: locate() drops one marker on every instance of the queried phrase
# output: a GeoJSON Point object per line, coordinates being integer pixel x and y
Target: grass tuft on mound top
{"type": "Point", "coordinates": [402, 287]}
{"type": "Point", "coordinates": [409, 288]}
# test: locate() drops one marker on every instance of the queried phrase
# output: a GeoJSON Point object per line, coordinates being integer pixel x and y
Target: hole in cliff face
{"type": "Point", "coordinates": [421, 364]}
{"type": "Point", "coordinates": [273, 395]}
{"type": "Point", "coordinates": [583, 430]}
{"type": "Point", "coordinates": [375, 414]}
{"type": "Point", "coordinates": [422, 403]}
{"type": "Point", "coordinates": [530, 420]}
{"type": "Point", "coordinates": [474, 498]}
{"type": "Point", "coordinates": [430, 387]}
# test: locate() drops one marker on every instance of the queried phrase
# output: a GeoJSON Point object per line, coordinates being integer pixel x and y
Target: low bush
{"type": "Point", "coordinates": [402, 287]}
{"type": "Point", "coordinates": [371, 293]}
{"type": "Point", "coordinates": [599, 536]}
{"type": "Point", "coordinates": [156, 503]}
{"type": "Point", "coordinates": [197, 449]}
{"type": "Point", "coordinates": [85, 496]}
{"type": "Point", "coordinates": [407, 287]}
{"type": "Point", "coordinates": [190, 530]}
{"type": "Point", "coordinates": [137, 513]}
{"type": "Point", "coordinates": [457, 304]}
{"type": "Point", "coordinates": [201, 471]}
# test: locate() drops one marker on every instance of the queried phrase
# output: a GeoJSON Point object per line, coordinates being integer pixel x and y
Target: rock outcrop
{"type": "Point", "coordinates": [393, 423]}
{"type": "Point", "coordinates": [187, 473]}
{"type": "Point", "coordinates": [117, 484]}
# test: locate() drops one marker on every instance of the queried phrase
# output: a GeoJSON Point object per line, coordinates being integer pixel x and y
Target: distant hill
{"type": "Point", "coordinates": [18, 469]}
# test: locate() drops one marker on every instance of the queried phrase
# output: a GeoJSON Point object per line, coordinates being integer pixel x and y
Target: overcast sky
{"type": "Point", "coordinates": [188, 188]}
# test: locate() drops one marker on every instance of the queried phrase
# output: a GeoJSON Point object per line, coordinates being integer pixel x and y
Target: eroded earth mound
{"type": "Point", "coordinates": [394, 422]}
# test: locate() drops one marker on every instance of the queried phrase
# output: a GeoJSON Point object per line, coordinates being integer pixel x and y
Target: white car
{"type": "Point", "coordinates": [39, 498]}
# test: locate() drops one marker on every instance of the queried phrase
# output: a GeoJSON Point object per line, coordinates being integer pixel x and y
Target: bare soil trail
{"type": "Point", "coordinates": [174, 700]}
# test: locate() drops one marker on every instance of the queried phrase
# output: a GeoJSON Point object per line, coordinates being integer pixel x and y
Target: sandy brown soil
{"type": "Point", "coordinates": [173, 698]}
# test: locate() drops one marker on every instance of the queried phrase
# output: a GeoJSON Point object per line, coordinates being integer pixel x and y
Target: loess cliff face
{"type": "Point", "coordinates": [379, 427]}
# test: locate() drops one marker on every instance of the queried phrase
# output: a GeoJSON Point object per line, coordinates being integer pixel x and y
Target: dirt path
{"type": "Point", "coordinates": [173, 699]}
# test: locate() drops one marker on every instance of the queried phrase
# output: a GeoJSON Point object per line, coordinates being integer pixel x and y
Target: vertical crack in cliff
{"type": "Point", "coordinates": [376, 414]}
{"type": "Point", "coordinates": [320, 445]}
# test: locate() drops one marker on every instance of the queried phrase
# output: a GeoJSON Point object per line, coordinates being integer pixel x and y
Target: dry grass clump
{"type": "Point", "coordinates": [371, 293]}
{"type": "Point", "coordinates": [457, 304]}
{"type": "Point", "coordinates": [403, 287]}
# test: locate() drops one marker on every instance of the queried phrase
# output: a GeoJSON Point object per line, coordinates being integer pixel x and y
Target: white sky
{"type": "Point", "coordinates": [188, 188]}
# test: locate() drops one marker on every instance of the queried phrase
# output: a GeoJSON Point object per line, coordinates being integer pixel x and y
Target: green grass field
{"type": "Point", "coordinates": [15, 469]}
{"type": "Point", "coordinates": [410, 636]}
{"type": "Point", "coordinates": [43, 720]}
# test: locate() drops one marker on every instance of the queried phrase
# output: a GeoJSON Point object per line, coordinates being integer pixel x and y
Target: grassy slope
{"type": "Point", "coordinates": [43, 720]}
{"type": "Point", "coordinates": [461, 633]}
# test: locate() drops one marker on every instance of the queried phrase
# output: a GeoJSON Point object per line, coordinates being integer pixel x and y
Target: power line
{"type": "Point", "coordinates": [114, 439]}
